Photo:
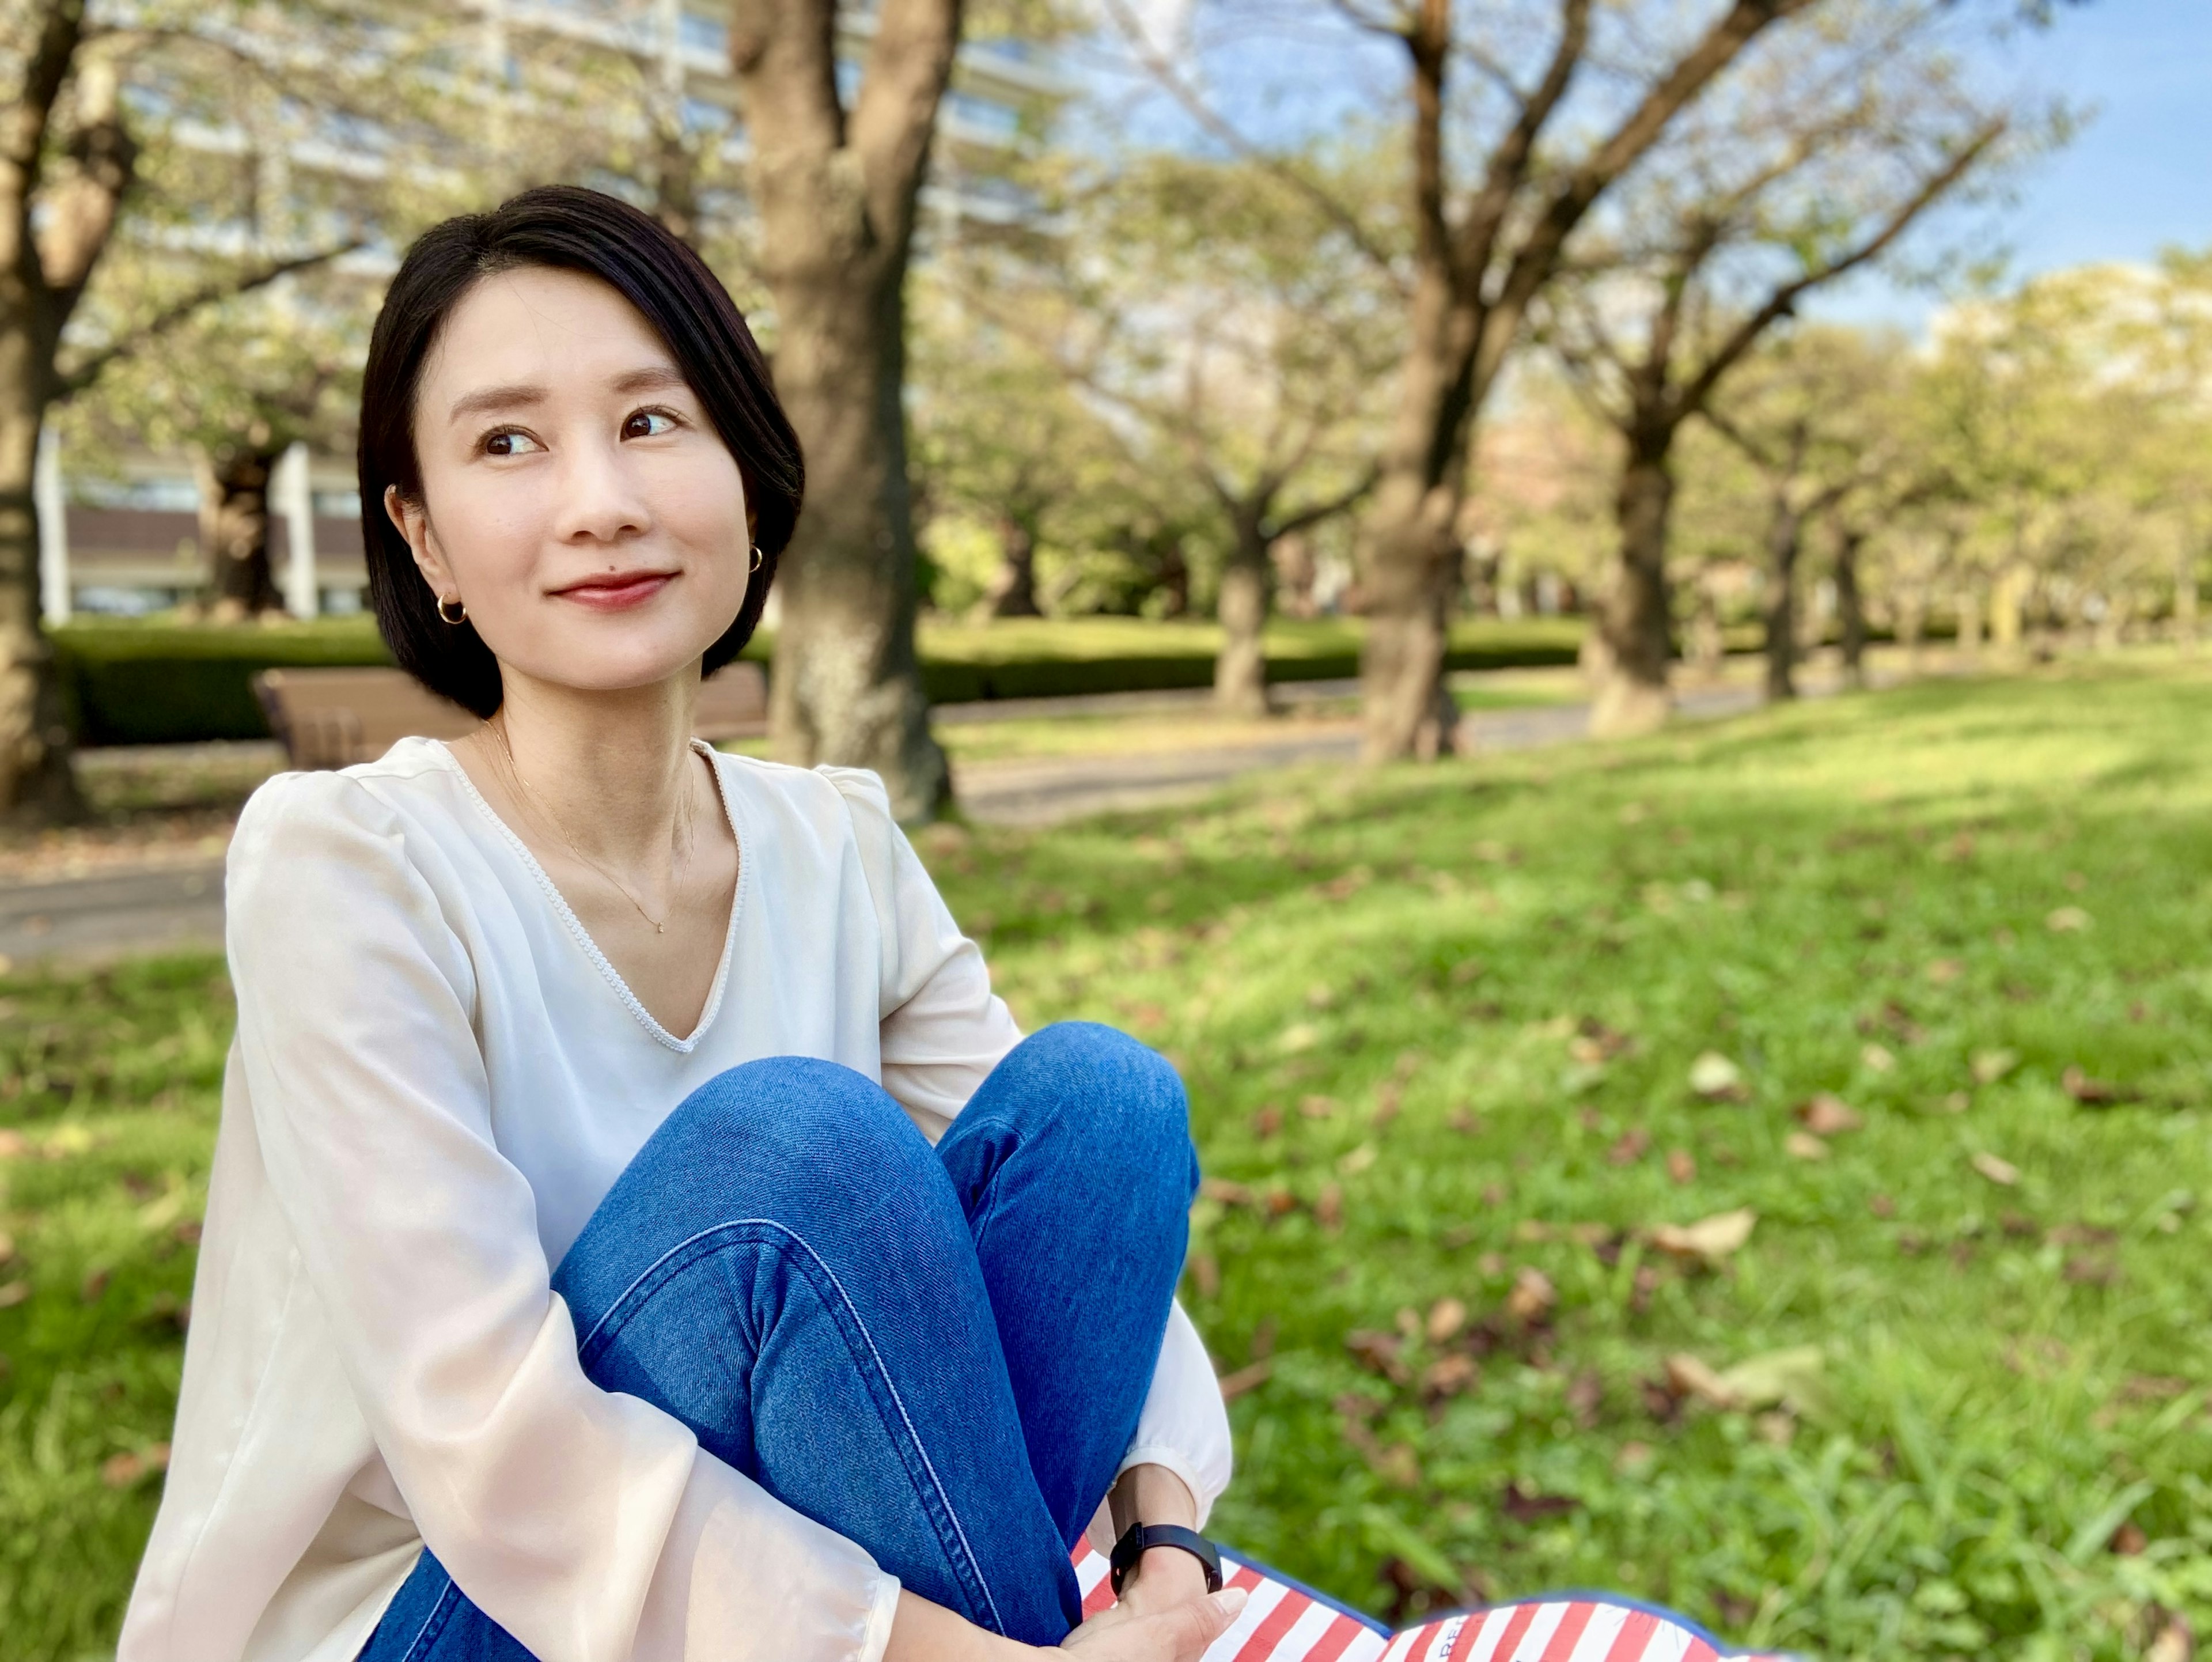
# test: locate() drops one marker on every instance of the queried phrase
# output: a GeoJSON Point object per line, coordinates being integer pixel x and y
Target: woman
{"type": "Point", "coordinates": [636, 1230]}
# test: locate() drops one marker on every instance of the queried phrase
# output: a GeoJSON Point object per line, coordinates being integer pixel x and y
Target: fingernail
{"type": "Point", "coordinates": [1231, 1601]}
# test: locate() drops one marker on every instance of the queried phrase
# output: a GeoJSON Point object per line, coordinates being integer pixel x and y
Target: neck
{"type": "Point", "coordinates": [612, 769]}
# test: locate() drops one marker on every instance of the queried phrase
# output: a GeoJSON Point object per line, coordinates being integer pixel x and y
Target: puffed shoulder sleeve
{"type": "Point", "coordinates": [944, 1029]}
{"type": "Point", "coordinates": [589, 1524]}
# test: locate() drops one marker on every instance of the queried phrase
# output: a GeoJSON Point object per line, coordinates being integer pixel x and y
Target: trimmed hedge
{"type": "Point", "coordinates": [150, 682]}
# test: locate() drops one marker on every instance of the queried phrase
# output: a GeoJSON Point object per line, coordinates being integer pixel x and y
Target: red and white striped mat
{"type": "Point", "coordinates": [1286, 1623]}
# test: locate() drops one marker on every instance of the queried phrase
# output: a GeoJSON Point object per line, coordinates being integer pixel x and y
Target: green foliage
{"type": "Point", "coordinates": [1424, 1015]}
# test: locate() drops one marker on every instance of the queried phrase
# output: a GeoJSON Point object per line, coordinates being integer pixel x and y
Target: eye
{"type": "Point", "coordinates": [509, 441]}
{"type": "Point", "coordinates": [647, 424]}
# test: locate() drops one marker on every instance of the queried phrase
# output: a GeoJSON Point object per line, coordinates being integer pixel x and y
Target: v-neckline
{"type": "Point", "coordinates": [732, 813]}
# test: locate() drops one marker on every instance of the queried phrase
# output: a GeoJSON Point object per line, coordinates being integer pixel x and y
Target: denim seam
{"type": "Point", "coordinates": [424, 1634]}
{"type": "Point", "coordinates": [883, 1372]}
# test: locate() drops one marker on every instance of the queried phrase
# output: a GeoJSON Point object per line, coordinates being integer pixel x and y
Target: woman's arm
{"type": "Point", "coordinates": [924, 1632]}
{"type": "Point", "coordinates": [419, 1240]}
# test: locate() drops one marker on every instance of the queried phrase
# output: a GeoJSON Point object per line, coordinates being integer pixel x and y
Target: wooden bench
{"type": "Point", "coordinates": [332, 718]}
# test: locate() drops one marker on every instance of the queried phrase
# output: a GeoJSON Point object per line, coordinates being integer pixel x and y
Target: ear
{"type": "Point", "coordinates": [413, 521]}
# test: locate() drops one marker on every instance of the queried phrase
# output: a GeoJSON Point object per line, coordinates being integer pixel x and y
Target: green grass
{"type": "Point", "coordinates": [1438, 1027]}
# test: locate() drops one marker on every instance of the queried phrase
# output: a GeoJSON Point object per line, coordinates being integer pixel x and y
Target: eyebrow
{"type": "Point", "coordinates": [651, 379]}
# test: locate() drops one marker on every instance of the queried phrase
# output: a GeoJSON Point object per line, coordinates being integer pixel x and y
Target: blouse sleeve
{"type": "Point", "coordinates": [944, 1030]}
{"type": "Point", "coordinates": [589, 1524]}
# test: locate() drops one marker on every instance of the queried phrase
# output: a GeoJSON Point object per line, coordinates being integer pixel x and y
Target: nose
{"type": "Point", "coordinates": [598, 501]}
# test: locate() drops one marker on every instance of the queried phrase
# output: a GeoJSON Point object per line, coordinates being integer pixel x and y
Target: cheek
{"type": "Point", "coordinates": [488, 529]}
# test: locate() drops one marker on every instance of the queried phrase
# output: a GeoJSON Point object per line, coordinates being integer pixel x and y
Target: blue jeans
{"type": "Point", "coordinates": [939, 1354]}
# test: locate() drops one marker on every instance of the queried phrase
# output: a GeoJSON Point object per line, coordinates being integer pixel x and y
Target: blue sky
{"type": "Point", "coordinates": [2138, 176]}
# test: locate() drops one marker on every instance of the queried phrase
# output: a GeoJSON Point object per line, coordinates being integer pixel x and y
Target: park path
{"type": "Point", "coordinates": [178, 905]}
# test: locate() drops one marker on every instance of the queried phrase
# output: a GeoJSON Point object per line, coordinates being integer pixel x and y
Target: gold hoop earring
{"type": "Point", "coordinates": [454, 618]}
{"type": "Point", "coordinates": [756, 558]}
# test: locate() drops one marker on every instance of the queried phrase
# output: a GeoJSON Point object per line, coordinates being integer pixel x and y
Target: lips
{"type": "Point", "coordinates": [617, 591]}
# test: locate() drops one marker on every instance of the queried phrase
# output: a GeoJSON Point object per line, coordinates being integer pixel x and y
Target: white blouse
{"type": "Point", "coordinates": [436, 1078]}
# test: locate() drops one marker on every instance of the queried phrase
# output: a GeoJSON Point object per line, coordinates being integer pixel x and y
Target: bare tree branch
{"type": "Point", "coordinates": [1193, 104]}
{"type": "Point", "coordinates": [1783, 302]}
{"type": "Point", "coordinates": [87, 369]}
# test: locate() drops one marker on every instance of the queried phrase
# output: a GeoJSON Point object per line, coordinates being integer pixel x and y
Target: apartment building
{"type": "Point", "coordinates": [122, 533]}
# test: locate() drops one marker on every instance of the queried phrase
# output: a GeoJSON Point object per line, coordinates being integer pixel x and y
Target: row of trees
{"type": "Point", "coordinates": [1225, 344]}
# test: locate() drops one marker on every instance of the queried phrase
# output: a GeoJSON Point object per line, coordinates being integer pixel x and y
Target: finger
{"type": "Point", "coordinates": [1198, 1625]}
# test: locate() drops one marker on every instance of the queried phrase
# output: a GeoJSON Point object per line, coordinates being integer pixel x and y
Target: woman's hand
{"type": "Point", "coordinates": [1180, 1633]}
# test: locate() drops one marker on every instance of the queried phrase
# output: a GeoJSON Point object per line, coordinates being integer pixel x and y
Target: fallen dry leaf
{"type": "Point", "coordinates": [2094, 1093]}
{"type": "Point", "coordinates": [13, 1293]}
{"type": "Point", "coordinates": [1878, 1060]}
{"type": "Point", "coordinates": [121, 1471]}
{"type": "Point", "coordinates": [1318, 1107]}
{"type": "Point", "coordinates": [1687, 1376]}
{"type": "Point", "coordinates": [2067, 920]}
{"type": "Point", "coordinates": [1206, 1272]}
{"type": "Point", "coordinates": [1681, 1165]}
{"type": "Point", "coordinates": [2002, 1172]}
{"type": "Point", "coordinates": [1523, 1507]}
{"type": "Point", "coordinates": [1881, 1206]}
{"type": "Point", "coordinates": [1634, 1143]}
{"type": "Point", "coordinates": [2175, 1641]}
{"type": "Point", "coordinates": [1711, 1240]}
{"type": "Point", "coordinates": [12, 1144]}
{"type": "Point", "coordinates": [1533, 1295]}
{"type": "Point", "coordinates": [1944, 970]}
{"type": "Point", "coordinates": [1449, 1375]}
{"type": "Point", "coordinates": [1329, 1208]}
{"type": "Point", "coordinates": [1804, 1145]}
{"type": "Point", "coordinates": [1248, 1378]}
{"type": "Point", "coordinates": [2128, 1540]}
{"type": "Point", "coordinates": [1990, 1066]}
{"type": "Point", "coordinates": [1716, 1079]}
{"type": "Point", "coordinates": [1359, 1159]}
{"type": "Point", "coordinates": [1828, 1114]}
{"type": "Point", "coordinates": [1446, 1317]}
{"type": "Point", "coordinates": [7, 1248]}
{"type": "Point", "coordinates": [1268, 1122]}
{"type": "Point", "coordinates": [1223, 1191]}
{"type": "Point", "coordinates": [1378, 1353]}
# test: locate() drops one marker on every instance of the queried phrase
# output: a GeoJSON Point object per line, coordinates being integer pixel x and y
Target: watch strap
{"type": "Point", "coordinates": [1139, 1539]}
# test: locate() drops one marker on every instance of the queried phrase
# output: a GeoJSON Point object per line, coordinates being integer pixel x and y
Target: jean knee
{"type": "Point", "coordinates": [814, 1125]}
{"type": "Point", "coordinates": [1128, 1103]}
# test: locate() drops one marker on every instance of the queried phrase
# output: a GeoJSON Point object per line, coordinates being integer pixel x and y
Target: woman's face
{"type": "Point", "coordinates": [575, 498]}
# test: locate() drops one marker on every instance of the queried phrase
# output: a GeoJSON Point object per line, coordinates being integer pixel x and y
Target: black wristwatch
{"type": "Point", "coordinates": [1140, 1538]}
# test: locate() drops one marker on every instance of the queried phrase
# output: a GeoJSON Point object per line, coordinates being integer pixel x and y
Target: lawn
{"type": "Point", "coordinates": [1493, 1065]}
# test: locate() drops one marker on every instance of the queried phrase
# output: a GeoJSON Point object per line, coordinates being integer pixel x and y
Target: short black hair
{"type": "Point", "coordinates": [564, 227]}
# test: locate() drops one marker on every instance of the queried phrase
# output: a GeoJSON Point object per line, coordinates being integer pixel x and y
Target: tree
{"type": "Point", "coordinates": [169, 134]}
{"type": "Point", "coordinates": [1003, 443]}
{"type": "Point", "coordinates": [1837, 142]}
{"type": "Point", "coordinates": [236, 386]}
{"type": "Point", "coordinates": [1233, 334]}
{"type": "Point", "coordinates": [835, 190]}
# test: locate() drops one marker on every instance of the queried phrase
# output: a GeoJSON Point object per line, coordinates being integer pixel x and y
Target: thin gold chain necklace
{"type": "Point", "coordinates": [679, 837]}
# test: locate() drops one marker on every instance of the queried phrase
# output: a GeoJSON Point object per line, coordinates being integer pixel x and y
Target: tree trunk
{"type": "Point", "coordinates": [1240, 672]}
{"type": "Point", "coordinates": [1785, 536]}
{"type": "Point", "coordinates": [1969, 640]}
{"type": "Point", "coordinates": [1013, 590]}
{"type": "Point", "coordinates": [1912, 626]}
{"type": "Point", "coordinates": [234, 533]}
{"type": "Point", "coordinates": [1411, 548]}
{"type": "Point", "coordinates": [37, 785]}
{"type": "Point", "coordinates": [835, 194]}
{"type": "Point", "coordinates": [2184, 595]}
{"type": "Point", "coordinates": [1629, 644]}
{"type": "Point", "coordinates": [2007, 609]}
{"type": "Point", "coordinates": [1851, 607]}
